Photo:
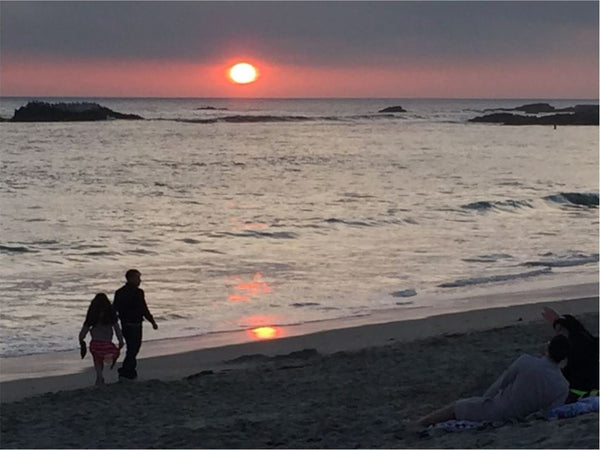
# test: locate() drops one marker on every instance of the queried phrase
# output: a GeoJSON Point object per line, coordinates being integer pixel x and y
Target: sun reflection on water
{"type": "Point", "coordinates": [244, 291]}
{"type": "Point", "coordinates": [266, 332]}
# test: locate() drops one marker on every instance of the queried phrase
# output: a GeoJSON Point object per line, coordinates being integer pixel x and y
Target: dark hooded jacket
{"type": "Point", "coordinates": [582, 366]}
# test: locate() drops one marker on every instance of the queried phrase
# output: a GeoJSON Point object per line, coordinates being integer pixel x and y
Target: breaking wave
{"type": "Point", "coordinates": [14, 249]}
{"type": "Point", "coordinates": [579, 199]}
{"type": "Point", "coordinates": [588, 200]}
{"type": "Point", "coordinates": [254, 118]}
{"type": "Point", "coordinates": [558, 261]}
{"type": "Point", "coordinates": [500, 205]}
{"type": "Point", "coordinates": [496, 278]}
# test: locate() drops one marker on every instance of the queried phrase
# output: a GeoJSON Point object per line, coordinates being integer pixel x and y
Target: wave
{"type": "Point", "coordinates": [496, 278]}
{"type": "Point", "coordinates": [370, 222]}
{"type": "Point", "coordinates": [141, 252]}
{"type": "Point", "coordinates": [588, 200]}
{"type": "Point", "coordinates": [254, 118]}
{"type": "Point", "coordinates": [487, 258]}
{"type": "Point", "coordinates": [238, 118]}
{"type": "Point", "coordinates": [404, 293]}
{"type": "Point", "coordinates": [259, 234]}
{"type": "Point", "coordinates": [580, 199]}
{"type": "Point", "coordinates": [190, 241]}
{"type": "Point", "coordinates": [14, 249]}
{"type": "Point", "coordinates": [559, 261]}
{"type": "Point", "coordinates": [304, 304]}
{"type": "Point", "coordinates": [350, 223]}
{"type": "Point", "coordinates": [500, 205]}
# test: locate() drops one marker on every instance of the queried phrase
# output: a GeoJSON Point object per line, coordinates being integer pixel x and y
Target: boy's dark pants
{"type": "Point", "coordinates": [132, 333]}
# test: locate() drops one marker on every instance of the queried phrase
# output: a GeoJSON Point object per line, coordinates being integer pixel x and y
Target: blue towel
{"type": "Point", "coordinates": [463, 425]}
{"type": "Point", "coordinates": [580, 407]}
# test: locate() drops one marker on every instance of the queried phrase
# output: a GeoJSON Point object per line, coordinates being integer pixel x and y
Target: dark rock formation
{"type": "Point", "coordinates": [535, 108]}
{"type": "Point", "coordinates": [64, 112]}
{"type": "Point", "coordinates": [211, 108]}
{"type": "Point", "coordinates": [393, 109]}
{"type": "Point", "coordinates": [577, 115]}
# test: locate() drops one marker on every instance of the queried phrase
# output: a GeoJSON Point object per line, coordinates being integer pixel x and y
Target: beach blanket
{"type": "Point", "coordinates": [580, 407]}
{"type": "Point", "coordinates": [464, 425]}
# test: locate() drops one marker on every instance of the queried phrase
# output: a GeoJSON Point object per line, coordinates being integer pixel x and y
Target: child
{"type": "Point", "coordinates": [100, 321]}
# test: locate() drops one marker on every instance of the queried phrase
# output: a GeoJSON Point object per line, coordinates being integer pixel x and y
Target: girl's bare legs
{"type": "Point", "coordinates": [99, 367]}
{"type": "Point", "coordinates": [443, 414]}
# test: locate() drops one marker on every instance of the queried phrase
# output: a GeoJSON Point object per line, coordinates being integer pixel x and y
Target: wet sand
{"type": "Point", "coordinates": [355, 387]}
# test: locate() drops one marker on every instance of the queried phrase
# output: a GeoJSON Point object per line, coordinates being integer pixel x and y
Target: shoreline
{"type": "Point", "coordinates": [176, 358]}
{"type": "Point", "coordinates": [421, 305]}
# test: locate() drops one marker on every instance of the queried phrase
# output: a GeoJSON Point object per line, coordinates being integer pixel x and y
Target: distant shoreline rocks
{"type": "Point", "coordinates": [575, 115]}
{"type": "Point", "coordinates": [37, 111]}
{"type": "Point", "coordinates": [393, 109]}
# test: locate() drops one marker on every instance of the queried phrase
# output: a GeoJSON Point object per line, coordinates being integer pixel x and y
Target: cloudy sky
{"type": "Point", "coordinates": [543, 49]}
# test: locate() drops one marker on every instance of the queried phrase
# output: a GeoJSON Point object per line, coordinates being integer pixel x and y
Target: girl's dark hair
{"type": "Point", "coordinates": [559, 348]}
{"type": "Point", "coordinates": [571, 324]}
{"type": "Point", "coordinates": [100, 311]}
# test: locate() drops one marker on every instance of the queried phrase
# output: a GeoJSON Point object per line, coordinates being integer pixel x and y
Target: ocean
{"type": "Point", "coordinates": [242, 213]}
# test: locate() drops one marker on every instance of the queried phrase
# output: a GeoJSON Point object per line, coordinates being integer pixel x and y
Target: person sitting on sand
{"type": "Point", "coordinates": [530, 384]}
{"type": "Point", "coordinates": [100, 321]}
{"type": "Point", "coordinates": [581, 370]}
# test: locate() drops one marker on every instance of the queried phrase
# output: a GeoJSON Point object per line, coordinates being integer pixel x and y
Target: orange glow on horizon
{"type": "Point", "coordinates": [544, 78]}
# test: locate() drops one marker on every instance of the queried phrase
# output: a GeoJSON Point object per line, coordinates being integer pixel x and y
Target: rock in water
{"type": "Point", "coordinates": [63, 112]}
{"type": "Point", "coordinates": [582, 115]}
{"type": "Point", "coordinates": [393, 109]}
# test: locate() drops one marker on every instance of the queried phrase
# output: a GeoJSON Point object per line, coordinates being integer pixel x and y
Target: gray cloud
{"type": "Point", "coordinates": [311, 33]}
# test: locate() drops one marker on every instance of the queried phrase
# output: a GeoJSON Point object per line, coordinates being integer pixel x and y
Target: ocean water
{"type": "Point", "coordinates": [247, 213]}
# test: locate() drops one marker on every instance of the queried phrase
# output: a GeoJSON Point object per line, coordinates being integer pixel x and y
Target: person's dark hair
{"type": "Point", "coordinates": [131, 274]}
{"type": "Point", "coordinates": [100, 311]}
{"type": "Point", "coordinates": [570, 323]}
{"type": "Point", "coordinates": [558, 348]}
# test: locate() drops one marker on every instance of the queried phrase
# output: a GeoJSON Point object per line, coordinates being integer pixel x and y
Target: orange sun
{"type": "Point", "coordinates": [243, 73]}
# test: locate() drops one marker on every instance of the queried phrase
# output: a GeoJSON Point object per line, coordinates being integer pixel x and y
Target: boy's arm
{"type": "Point", "coordinates": [119, 334]}
{"type": "Point", "coordinates": [147, 313]}
{"type": "Point", "coordinates": [116, 305]}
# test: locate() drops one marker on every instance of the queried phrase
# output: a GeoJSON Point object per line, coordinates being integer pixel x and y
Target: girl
{"type": "Point", "coordinates": [100, 321]}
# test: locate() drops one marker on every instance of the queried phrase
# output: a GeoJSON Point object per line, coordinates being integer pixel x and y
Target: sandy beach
{"type": "Point", "coordinates": [352, 387]}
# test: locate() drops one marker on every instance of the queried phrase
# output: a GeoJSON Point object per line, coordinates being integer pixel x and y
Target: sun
{"type": "Point", "coordinates": [243, 73]}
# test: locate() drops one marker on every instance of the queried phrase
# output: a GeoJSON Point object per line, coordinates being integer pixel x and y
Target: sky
{"type": "Point", "coordinates": [394, 49]}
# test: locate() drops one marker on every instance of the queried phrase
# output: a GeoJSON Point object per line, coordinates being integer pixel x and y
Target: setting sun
{"type": "Point", "coordinates": [243, 73]}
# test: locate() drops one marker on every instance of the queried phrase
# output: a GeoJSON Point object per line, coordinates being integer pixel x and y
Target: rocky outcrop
{"type": "Point", "coordinates": [65, 112]}
{"type": "Point", "coordinates": [577, 115]}
{"type": "Point", "coordinates": [532, 108]}
{"type": "Point", "coordinates": [393, 109]}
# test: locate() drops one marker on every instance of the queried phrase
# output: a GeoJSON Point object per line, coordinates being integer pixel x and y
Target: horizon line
{"type": "Point", "coordinates": [292, 98]}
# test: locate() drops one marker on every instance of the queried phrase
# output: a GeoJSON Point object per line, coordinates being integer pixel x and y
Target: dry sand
{"type": "Point", "coordinates": [349, 388]}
